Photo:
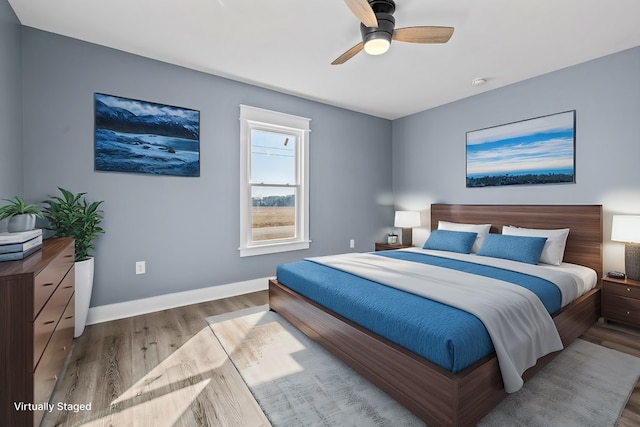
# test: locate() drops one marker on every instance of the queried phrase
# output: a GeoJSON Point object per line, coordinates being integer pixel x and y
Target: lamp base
{"type": "Point", "coordinates": [407, 236]}
{"type": "Point", "coordinates": [631, 260]}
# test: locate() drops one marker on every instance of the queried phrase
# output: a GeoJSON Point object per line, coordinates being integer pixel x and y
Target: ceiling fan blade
{"type": "Point", "coordinates": [423, 34]}
{"type": "Point", "coordinates": [363, 12]}
{"type": "Point", "coordinates": [348, 54]}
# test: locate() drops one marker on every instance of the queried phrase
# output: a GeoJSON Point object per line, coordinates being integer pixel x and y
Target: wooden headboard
{"type": "Point", "coordinates": [584, 244]}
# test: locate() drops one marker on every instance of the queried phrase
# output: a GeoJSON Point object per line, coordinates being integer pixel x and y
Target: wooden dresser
{"type": "Point", "coordinates": [36, 328]}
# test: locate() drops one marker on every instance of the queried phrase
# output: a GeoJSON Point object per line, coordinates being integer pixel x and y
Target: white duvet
{"type": "Point", "coordinates": [520, 327]}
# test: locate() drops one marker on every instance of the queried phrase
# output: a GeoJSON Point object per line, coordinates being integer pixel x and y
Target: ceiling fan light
{"type": "Point", "coordinates": [377, 46]}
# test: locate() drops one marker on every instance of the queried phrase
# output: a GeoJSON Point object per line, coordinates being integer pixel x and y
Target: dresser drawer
{"type": "Point", "coordinates": [621, 289]}
{"type": "Point", "coordinates": [622, 309]}
{"type": "Point", "coordinates": [47, 280]}
{"type": "Point", "coordinates": [46, 374]}
{"type": "Point", "coordinates": [47, 320]}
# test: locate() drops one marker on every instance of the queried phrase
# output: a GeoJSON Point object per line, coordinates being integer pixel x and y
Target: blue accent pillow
{"type": "Point", "coordinates": [452, 241]}
{"type": "Point", "coordinates": [515, 248]}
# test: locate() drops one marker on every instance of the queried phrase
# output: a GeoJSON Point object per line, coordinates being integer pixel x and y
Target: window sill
{"type": "Point", "coordinates": [272, 248]}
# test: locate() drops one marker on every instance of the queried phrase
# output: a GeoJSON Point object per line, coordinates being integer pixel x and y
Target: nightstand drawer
{"type": "Point", "coordinates": [621, 309]}
{"type": "Point", "coordinates": [621, 289]}
{"type": "Point", "coordinates": [389, 247]}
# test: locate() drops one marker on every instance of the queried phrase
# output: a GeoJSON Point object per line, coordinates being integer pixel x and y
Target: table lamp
{"type": "Point", "coordinates": [407, 220]}
{"type": "Point", "coordinates": [626, 228]}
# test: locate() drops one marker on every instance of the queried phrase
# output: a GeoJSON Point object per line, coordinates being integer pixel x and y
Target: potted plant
{"type": "Point", "coordinates": [70, 215]}
{"type": "Point", "coordinates": [22, 217]}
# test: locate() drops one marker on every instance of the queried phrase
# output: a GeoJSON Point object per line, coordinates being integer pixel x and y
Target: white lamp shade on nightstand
{"type": "Point", "coordinates": [626, 228]}
{"type": "Point", "coordinates": [407, 220]}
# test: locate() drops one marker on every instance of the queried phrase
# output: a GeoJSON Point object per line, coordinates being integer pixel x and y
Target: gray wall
{"type": "Point", "coordinates": [187, 229]}
{"type": "Point", "coordinates": [429, 147]}
{"type": "Point", "coordinates": [10, 106]}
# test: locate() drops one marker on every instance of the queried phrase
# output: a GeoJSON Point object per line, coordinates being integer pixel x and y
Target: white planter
{"type": "Point", "coordinates": [22, 222]}
{"type": "Point", "coordinates": [84, 285]}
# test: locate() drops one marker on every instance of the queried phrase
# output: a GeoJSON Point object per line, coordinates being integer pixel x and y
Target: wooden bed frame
{"type": "Point", "coordinates": [437, 396]}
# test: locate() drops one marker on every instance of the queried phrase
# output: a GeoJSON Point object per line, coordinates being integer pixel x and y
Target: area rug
{"type": "Point", "coordinates": [299, 383]}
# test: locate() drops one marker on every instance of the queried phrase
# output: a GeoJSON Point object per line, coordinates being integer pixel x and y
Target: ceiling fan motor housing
{"type": "Point", "coordinates": [386, 22]}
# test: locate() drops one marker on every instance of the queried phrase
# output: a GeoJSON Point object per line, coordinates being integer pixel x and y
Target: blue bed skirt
{"type": "Point", "coordinates": [447, 336]}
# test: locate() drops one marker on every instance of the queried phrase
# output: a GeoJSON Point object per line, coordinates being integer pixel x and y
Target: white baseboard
{"type": "Point", "coordinates": [105, 313]}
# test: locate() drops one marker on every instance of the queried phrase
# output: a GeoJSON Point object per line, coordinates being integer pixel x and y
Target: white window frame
{"type": "Point", "coordinates": [266, 120]}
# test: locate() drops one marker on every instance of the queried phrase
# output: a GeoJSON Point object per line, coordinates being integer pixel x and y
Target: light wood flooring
{"type": "Point", "coordinates": [167, 369]}
{"type": "Point", "coordinates": [158, 369]}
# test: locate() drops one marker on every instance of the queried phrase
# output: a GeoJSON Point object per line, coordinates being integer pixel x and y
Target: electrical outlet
{"type": "Point", "coordinates": [140, 267]}
{"type": "Point", "coordinates": [352, 243]}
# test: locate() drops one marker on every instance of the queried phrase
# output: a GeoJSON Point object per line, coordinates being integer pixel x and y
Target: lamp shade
{"type": "Point", "coordinates": [626, 228]}
{"type": "Point", "coordinates": [407, 219]}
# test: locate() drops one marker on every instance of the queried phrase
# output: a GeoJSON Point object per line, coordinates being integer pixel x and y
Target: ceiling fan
{"type": "Point", "coordinates": [378, 29]}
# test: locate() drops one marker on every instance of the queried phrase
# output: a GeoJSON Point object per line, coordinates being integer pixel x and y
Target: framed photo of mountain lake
{"type": "Point", "coordinates": [533, 151]}
{"type": "Point", "coordinates": [144, 137]}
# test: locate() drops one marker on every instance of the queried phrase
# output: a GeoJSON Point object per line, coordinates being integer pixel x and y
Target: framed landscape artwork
{"type": "Point", "coordinates": [145, 137]}
{"type": "Point", "coordinates": [534, 151]}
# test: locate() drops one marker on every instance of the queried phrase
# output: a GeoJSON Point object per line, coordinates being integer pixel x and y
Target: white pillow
{"type": "Point", "coordinates": [481, 229]}
{"type": "Point", "coordinates": [553, 250]}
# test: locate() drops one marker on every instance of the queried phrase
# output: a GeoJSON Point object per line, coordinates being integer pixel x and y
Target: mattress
{"type": "Point", "coordinates": [445, 335]}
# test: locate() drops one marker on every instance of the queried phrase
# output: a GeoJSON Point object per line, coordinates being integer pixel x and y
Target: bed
{"type": "Point", "coordinates": [435, 394]}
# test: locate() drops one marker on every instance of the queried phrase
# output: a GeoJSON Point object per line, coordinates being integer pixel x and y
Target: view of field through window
{"type": "Point", "coordinates": [272, 222]}
{"type": "Point", "coordinates": [273, 180]}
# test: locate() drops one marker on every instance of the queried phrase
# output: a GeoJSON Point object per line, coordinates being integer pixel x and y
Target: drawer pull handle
{"type": "Point", "coordinates": [68, 287]}
{"type": "Point", "coordinates": [47, 284]}
{"type": "Point", "coordinates": [68, 317]}
{"type": "Point", "coordinates": [628, 313]}
{"type": "Point", "coordinates": [49, 322]}
{"type": "Point", "coordinates": [628, 289]}
{"type": "Point", "coordinates": [55, 377]}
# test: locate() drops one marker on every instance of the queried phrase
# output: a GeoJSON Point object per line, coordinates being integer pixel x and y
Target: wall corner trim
{"type": "Point", "coordinates": [121, 310]}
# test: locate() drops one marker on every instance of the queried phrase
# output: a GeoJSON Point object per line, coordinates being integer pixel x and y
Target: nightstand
{"type": "Point", "coordinates": [621, 301]}
{"type": "Point", "coordinates": [389, 247]}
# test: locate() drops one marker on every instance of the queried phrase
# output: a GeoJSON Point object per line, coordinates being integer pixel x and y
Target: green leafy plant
{"type": "Point", "coordinates": [70, 215]}
{"type": "Point", "coordinates": [17, 206]}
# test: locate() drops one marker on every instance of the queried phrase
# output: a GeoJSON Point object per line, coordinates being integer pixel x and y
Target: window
{"type": "Point", "coordinates": [274, 182]}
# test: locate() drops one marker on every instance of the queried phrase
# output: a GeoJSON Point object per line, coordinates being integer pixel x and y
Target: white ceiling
{"type": "Point", "coordinates": [288, 45]}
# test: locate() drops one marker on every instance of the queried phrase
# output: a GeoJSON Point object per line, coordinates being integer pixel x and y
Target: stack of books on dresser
{"type": "Point", "coordinates": [15, 246]}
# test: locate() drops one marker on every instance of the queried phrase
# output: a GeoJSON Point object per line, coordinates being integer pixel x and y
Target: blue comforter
{"type": "Point", "coordinates": [447, 336]}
